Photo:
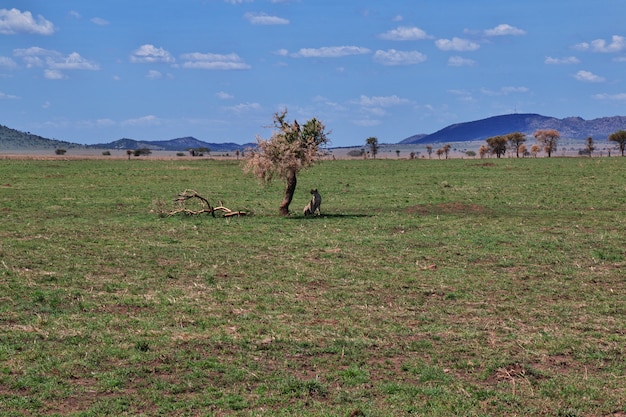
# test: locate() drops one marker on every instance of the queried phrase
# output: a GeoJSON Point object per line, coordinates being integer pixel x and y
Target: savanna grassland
{"type": "Point", "coordinates": [427, 287]}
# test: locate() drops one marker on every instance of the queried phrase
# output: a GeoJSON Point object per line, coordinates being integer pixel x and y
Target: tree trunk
{"type": "Point", "coordinates": [289, 192]}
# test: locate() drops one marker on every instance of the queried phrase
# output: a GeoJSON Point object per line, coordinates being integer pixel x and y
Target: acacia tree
{"type": "Point", "coordinates": [619, 138]}
{"type": "Point", "coordinates": [590, 146]}
{"type": "Point", "coordinates": [535, 149]}
{"type": "Point", "coordinates": [446, 149]}
{"type": "Point", "coordinates": [429, 149]}
{"type": "Point", "coordinates": [291, 148]}
{"type": "Point", "coordinates": [516, 140]}
{"type": "Point", "coordinates": [497, 145]}
{"type": "Point", "coordinates": [372, 142]}
{"type": "Point", "coordinates": [548, 138]}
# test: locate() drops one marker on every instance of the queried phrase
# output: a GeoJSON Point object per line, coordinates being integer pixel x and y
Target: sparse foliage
{"type": "Point", "coordinates": [484, 150]}
{"type": "Point", "coordinates": [429, 150]}
{"type": "Point", "coordinates": [619, 138]}
{"type": "Point", "coordinates": [291, 148]}
{"type": "Point", "coordinates": [548, 138]}
{"type": "Point", "coordinates": [446, 149]}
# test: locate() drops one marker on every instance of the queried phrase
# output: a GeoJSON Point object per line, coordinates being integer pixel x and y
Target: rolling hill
{"type": "Point", "coordinates": [179, 144]}
{"type": "Point", "coordinates": [570, 127]}
{"type": "Point", "coordinates": [15, 140]}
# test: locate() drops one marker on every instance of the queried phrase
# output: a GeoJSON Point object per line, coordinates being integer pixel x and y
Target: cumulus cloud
{"type": "Point", "coordinates": [405, 33]}
{"type": "Point", "coordinates": [265, 19]}
{"type": "Point", "coordinates": [330, 52]}
{"type": "Point", "coordinates": [54, 62]}
{"type": "Point", "coordinates": [392, 57]}
{"type": "Point", "coordinates": [589, 77]}
{"type": "Point", "coordinates": [456, 44]}
{"type": "Point", "coordinates": [562, 61]}
{"type": "Point", "coordinates": [14, 21]}
{"type": "Point", "coordinates": [617, 44]}
{"type": "Point", "coordinates": [151, 54]}
{"type": "Point", "coordinates": [209, 61]}
{"type": "Point", "coordinates": [457, 61]}
{"type": "Point", "coordinates": [504, 30]}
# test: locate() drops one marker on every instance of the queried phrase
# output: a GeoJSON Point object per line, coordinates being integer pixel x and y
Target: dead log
{"type": "Point", "coordinates": [205, 206]}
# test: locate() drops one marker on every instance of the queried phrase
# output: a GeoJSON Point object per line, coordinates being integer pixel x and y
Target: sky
{"type": "Point", "coordinates": [218, 70]}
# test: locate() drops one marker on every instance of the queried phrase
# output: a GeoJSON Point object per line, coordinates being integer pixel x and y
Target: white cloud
{"type": "Point", "coordinates": [244, 107]}
{"type": "Point", "coordinates": [504, 91]}
{"type": "Point", "coordinates": [4, 96]}
{"type": "Point", "coordinates": [238, 1]}
{"type": "Point", "coordinates": [458, 61]}
{"type": "Point", "coordinates": [71, 62]}
{"type": "Point", "coordinates": [51, 74]}
{"type": "Point", "coordinates": [14, 21]}
{"type": "Point", "coordinates": [99, 21]}
{"type": "Point", "coordinates": [393, 57]}
{"type": "Point", "coordinates": [398, 18]}
{"type": "Point", "coordinates": [617, 97]}
{"type": "Point", "coordinates": [154, 75]}
{"type": "Point", "coordinates": [224, 96]}
{"type": "Point", "coordinates": [151, 54]}
{"type": "Point", "coordinates": [197, 60]}
{"type": "Point", "coordinates": [405, 33]}
{"type": "Point", "coordinates": [562, 61]}
{"type": "Point", "coordinates": [265, 19]}
{"type": "Point", "coordinates": [282, 52]}
{"type": "Point", "coordinates": [54, 62]}
{"type": "Point", "coordinates": [330, 52]}
{"type": "Point", "coordinates": [7, 63]}
{"type": "Point", "coordinates": [382, 101]}
{"type": "Point", "coordinates": [149, 120]}
{"type": "Point", "coordinates": [456, 44]}
{"type": "Point", "coordinates": [504, 30]}
{"type": "Point", "coordinates": [589, 77]}
{"type": "Point", "coordinates": [617, 44]}
{"type": "Point", "coordinates": [75, 14]}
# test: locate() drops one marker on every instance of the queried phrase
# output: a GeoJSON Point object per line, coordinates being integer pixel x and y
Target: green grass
{"type": "Point", "coordinates": [459, 287]}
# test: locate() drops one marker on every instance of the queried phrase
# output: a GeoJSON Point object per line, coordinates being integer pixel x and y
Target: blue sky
{"type": "Point", "coordinates": [97, 71]}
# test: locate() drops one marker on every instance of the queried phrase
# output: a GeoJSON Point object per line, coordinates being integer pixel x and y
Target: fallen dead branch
{"type": "Point", "coordinates": [183, 199]}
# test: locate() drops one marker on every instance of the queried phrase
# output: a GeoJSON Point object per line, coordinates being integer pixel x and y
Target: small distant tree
{"type": "Point", "coordinates": [412, 155]}
{"type": "Point", "coordinates": [522, 150]}
{"type": "Point", "coordinates": [516, 140]}
{"type": "Point", "coordinates": [471, 154]}
{"type": "Point", "coordinates": [590, 147]}
{"type": "Point", "coordinates": [142, 152]}
{"type": "Point", "coordinates": [397, 153]}
{"type": "Point", "coordinates": [440, 152]}
{"type": "Point", "coordinates": [484, 150]}
{"type": "Point", "coordinates": [237, 154]}
{"type": "Point", "coordinates": [429, 150]}
{"type": "Point", "coordinates": [291, 148]}
{"type": "Point", "coordinates": [60, 151]}
{"type": "Point", "coordinates": [619, 138]}
{"type": "Point", "coordinates": [129, 153]}
{"type": "Point", "coordinates": [497, 145]}
{"type": "Point", "coordinates": [446, 149]}
{"type": "Point", "coordinates": [372, 142]}
{"type": "Point", "coordinates": [535, 149]}
{"type": "Point", "coordinates": [548, 138]}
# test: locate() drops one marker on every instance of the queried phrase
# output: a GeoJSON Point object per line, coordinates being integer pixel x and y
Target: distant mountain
{"type": "Point", "coordinates": [414, 138]}
{"type": "Point", "coordinates": [569, 128]}
{"type": "Point", "coordinates": [179, 144]}
{"type": "Point", "coordinates": [12, 140]}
